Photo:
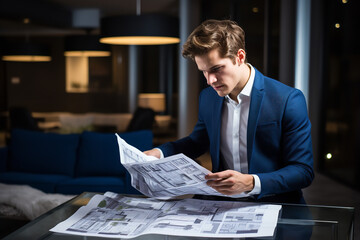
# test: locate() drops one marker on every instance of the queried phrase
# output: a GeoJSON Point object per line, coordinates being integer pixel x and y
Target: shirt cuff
{"type": "Point", "coordinates": [161, 153]}
{"type": "Point", "coordinates": [257, 186]}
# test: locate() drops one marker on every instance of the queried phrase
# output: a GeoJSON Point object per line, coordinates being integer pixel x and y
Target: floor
{"type": "Point", "coordinates": [325, 191]}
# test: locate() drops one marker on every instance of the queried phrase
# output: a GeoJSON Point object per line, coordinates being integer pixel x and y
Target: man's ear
{"type": "Point", "coordinates": [241, 56]}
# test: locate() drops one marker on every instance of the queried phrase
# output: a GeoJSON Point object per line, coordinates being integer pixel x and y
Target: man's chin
{"type": "Point", "coordinates": [221, 93]}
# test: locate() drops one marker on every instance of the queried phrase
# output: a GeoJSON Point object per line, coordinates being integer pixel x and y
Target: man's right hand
{"type": "Point", "coordinates": [153, 152]}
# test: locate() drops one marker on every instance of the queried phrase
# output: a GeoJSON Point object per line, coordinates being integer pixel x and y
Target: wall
{"type": "Point", "coordinates": [42, 85]}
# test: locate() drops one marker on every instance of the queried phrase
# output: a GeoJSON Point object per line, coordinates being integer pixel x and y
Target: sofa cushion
{"type": "Point", "coordinates": [98, 155]}
{"type": "Point", "coordinates": [92, 184]}
{"type": "Point", "coordinates": [99, 152]}
{"type": "Point", "coordinates": [43, 182]}
{"type": "Point", "coordinates": [47, 153]}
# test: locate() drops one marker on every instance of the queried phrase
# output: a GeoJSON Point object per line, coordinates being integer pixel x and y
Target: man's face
{"type": "Point", "coordinates": [221, 73]}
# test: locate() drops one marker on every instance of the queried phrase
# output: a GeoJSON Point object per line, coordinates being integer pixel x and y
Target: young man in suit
{"type": "Point", "coordinates": [256, 129]}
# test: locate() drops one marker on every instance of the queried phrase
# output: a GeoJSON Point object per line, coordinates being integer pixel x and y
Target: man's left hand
{"type": "Point", "coordinates": [230, 182]}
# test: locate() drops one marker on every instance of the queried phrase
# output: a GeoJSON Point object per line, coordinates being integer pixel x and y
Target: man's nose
{"type": "Point", "coordinates": [211, 78]}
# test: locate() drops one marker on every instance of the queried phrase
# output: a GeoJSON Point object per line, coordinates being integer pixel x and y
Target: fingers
{"type": "Point", "coordinates": [230, 182]}
{"type": "Point", "coordinates": [153, 152]}
{"type": "Point", "coordinates": [221, 182]}
{"type": "Point", "coordinates": [220, 175]}
{"type": "Point", "coordinates": [228, 190]}
{"type": "Point", "coordinates": [224, 178]}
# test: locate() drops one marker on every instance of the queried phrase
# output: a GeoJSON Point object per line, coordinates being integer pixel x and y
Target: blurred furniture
{"type": "Point", "coordinates": [69, 163]}
{"type": "Point", "coordinates": [155, 101]}
{"type": "Point", "coordinates": [109, 122]}
{"type": "Point", "coordinates": [78, 122]}
{"type": "Point", "coordinates": [20, 117]}
{"type": "Point", "coordinates": [143, 118]}
{"type": "Point", "coordinates": [75, 123]}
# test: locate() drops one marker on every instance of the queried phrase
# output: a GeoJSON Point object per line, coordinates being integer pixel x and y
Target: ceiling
{"type": "Point", "coordinates": [121, 7]}
{"type": "Point", "coordinates": [55, 17]}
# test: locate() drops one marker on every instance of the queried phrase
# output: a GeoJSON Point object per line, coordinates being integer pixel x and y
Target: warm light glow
{"type": "Point", "coordinates": [139, 40]}
{"type": "Point", "coordinates": [26, 58]}
{"type": "Point", "coordinates": [155, 101]}
{"type": "Point", "coordinates": [328, 156]}
{"type": "Point", "coordinates": [26, 20]}
{"type": "Point", "coordinates": [255, 10]}
{"type": "Point", "coordinates": [77, 74]}
{"type": "Point", "coordinates": [344, 1]}
{"type": "Point", "coordinates": [337, 25]}
{"type": "Point", "coordinates": [87, 53]}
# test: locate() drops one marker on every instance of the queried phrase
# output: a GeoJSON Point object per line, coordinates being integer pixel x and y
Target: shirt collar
{"type": "Point", "coordinates": [248, 86]}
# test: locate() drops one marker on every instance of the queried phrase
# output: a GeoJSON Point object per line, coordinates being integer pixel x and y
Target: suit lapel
{"type": "Point", "coordinates": [257, 95]}
{"type": "Point", "coordinates": [216, 133]}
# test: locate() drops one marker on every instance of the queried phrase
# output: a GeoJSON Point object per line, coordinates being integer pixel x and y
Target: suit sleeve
{"type": "Point", "coordinates": [296, 159]}
{"type": "Point", "coordinates": [194, 145]}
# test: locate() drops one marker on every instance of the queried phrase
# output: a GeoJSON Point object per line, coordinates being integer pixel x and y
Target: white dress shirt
{"type": "Point", "coordinates": [234, 122]}
{"type": "Point", "coordinates": [233, 143]}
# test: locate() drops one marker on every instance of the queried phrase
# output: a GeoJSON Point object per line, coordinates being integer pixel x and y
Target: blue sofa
{"type": "Point", "coordinates": [69, 163]}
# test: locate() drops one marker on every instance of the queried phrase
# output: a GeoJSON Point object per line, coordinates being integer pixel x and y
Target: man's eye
{"type": "Point", "coordinates": [216, 69]}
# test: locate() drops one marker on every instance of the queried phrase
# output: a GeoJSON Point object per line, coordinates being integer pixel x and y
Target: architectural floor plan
{"type": "Point", "coordinates": [165, 178]}
{"type": "Point", "coordinates": [117, 216]}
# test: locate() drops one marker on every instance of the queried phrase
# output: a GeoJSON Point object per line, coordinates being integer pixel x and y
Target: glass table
{"type": "Point", "coordinates": [295, 222]}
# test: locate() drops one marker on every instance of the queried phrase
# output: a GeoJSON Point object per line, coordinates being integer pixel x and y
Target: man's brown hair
{"type": "Point", "coordinates": [225, 35]}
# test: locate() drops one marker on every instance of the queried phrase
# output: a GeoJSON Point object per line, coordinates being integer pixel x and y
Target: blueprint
{"type": "Point", "coordinates": [116, 216]}
{"type": "Point", "coordinates": [165, 178]}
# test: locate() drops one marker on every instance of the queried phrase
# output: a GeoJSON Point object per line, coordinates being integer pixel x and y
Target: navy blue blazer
{"type": "Point", "coordinates": [279, 146]}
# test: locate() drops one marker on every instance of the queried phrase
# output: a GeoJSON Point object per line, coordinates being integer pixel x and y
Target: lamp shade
{"type": "Point", "coordinates": [148, 29]}
{"type": "Point", "coordinates": [26, 52]}
{"type": "Point", "coordinates": [86, 45]}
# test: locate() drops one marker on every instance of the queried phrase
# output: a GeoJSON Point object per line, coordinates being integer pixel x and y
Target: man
{"type": "Point", "coordinates": [256, 129]}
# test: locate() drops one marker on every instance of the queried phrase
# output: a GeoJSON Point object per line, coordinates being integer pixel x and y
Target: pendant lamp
{"type": "Point", "coordinates": [147, 29]}
{"type": "Point", "coordinates": [85, 45]}
{"type": "Point", "coordinates": [26, 52]}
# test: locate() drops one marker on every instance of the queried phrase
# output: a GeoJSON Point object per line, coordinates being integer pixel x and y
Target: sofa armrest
{"type": "Point", "coordinates": [3, 158]}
